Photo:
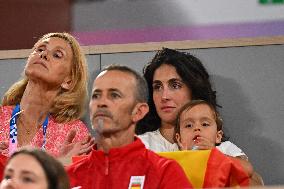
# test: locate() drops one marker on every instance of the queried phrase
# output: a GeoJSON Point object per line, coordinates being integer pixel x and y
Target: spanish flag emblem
{"type": "Point", "coordinates": [135, 186]}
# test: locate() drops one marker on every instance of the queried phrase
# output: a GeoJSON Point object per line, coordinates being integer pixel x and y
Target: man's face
{"type": "Point", "coordinates": [112, 102]}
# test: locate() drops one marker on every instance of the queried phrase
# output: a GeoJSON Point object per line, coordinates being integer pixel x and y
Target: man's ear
{"type": "Point", "coordinates": [219, 136]}
{"type": "Point", "coordinates": [67, 83]}
{"type": "Point", "coordinates": [139, 111]}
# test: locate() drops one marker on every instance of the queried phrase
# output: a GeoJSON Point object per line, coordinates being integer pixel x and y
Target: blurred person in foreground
{"type": "Point", "coordinates": [34, 169]}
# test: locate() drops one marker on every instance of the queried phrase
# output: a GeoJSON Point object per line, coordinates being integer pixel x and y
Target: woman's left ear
{"type": "Point", "coordinates": [219, 136]}
{"type": "Point", "coordinates": [67, 83]}
{"type": "Point", "coordinates": [139, 111]}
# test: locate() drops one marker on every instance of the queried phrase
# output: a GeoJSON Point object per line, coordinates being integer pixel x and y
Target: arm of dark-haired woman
{"type": "Point", "coordinates": [254, 177]}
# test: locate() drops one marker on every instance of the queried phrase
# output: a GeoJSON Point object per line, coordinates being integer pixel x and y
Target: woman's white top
{"type": "Point", "coordinates": [156, 142]}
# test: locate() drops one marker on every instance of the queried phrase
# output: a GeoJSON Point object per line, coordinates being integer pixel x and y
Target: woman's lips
{"type": "Point", "coordinates": [167, 108]}
{"type": "Point", "coordinates": [41, 63]}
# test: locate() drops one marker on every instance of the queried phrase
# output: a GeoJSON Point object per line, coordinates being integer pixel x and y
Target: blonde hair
{"type": "Point", "coordinates": [69, 104]}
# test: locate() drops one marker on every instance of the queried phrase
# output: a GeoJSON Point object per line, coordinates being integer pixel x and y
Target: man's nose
{"type": "Point", "coordinates": [102, 102]}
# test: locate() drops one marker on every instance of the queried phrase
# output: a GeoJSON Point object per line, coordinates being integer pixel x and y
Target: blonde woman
{"type": "Point", "coordinates": [43, 108]}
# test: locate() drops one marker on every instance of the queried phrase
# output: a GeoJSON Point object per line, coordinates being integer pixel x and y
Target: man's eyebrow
{"type": "Point", "coordinates": [96, 90]}
{"type": "Point", "coordinates": [109, 89]}
{"type": "Point", "coordinates": [117, 91]}
{"type": "Point", "coordinates": [114, 89]}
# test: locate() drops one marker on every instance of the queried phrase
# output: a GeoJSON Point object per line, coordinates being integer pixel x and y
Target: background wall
{"type": "Point", "coordinates": [249, 84]}
{"type": "Point", "coordinates": [124, 21]}
{"type": "Point", "coordinates": [132, 21]}
{"type": "Point", "coordinates": [23, 22]}
{"type": "Point", "coordinates": [123, 14]}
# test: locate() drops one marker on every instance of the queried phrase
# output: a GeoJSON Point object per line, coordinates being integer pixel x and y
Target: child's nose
{"type": "Point", "coordinates": [196, 128]}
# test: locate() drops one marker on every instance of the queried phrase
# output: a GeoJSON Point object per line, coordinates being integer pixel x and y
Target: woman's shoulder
{"type": "Point", "coordinates": [6, 111]}
{"type": "Point", "coordinates": [230, 149]}
{"type": "Point", "coordinates": [150, 134]}
{"type": "Point", "coordinates": [155, 141]}
{"type": "Point", "coordinates": [75, 124]}
{"type": "Point", "coordinates": [64, 128]}
{"type": "Point", "coordinates": [227, 144]}
{"type": "Point", "coordinates": [148, 137]}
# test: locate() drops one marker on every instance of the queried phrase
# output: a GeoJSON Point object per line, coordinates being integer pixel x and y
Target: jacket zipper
{"type": "Point", "coordinates": [106, 165]}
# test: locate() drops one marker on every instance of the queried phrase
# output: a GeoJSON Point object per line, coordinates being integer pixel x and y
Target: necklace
{"type": "Point", "coordinates": [13, 142]}
{"type": "Point", "coordinates": [28, 131]}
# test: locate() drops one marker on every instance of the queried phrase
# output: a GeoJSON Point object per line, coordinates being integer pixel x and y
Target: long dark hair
{"type": "Point", "coordinates": [193, 74]}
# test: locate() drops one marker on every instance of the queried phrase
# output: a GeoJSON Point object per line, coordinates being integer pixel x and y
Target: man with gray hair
{"type": "Point", "coordinates": [120, 159]}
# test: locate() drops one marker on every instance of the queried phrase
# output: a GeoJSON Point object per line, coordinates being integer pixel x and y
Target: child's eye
{"type": "Point", "coordinates": [205, 124]}
{"type": "Point", "coordinates": [188, 125]}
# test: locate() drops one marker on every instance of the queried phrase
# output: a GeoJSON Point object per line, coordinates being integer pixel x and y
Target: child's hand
{"type": "Point", "coordinates": [202, 143]}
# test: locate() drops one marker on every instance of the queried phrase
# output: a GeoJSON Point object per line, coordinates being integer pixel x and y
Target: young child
{"type": "Point", "coordinates": [198, 126]}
